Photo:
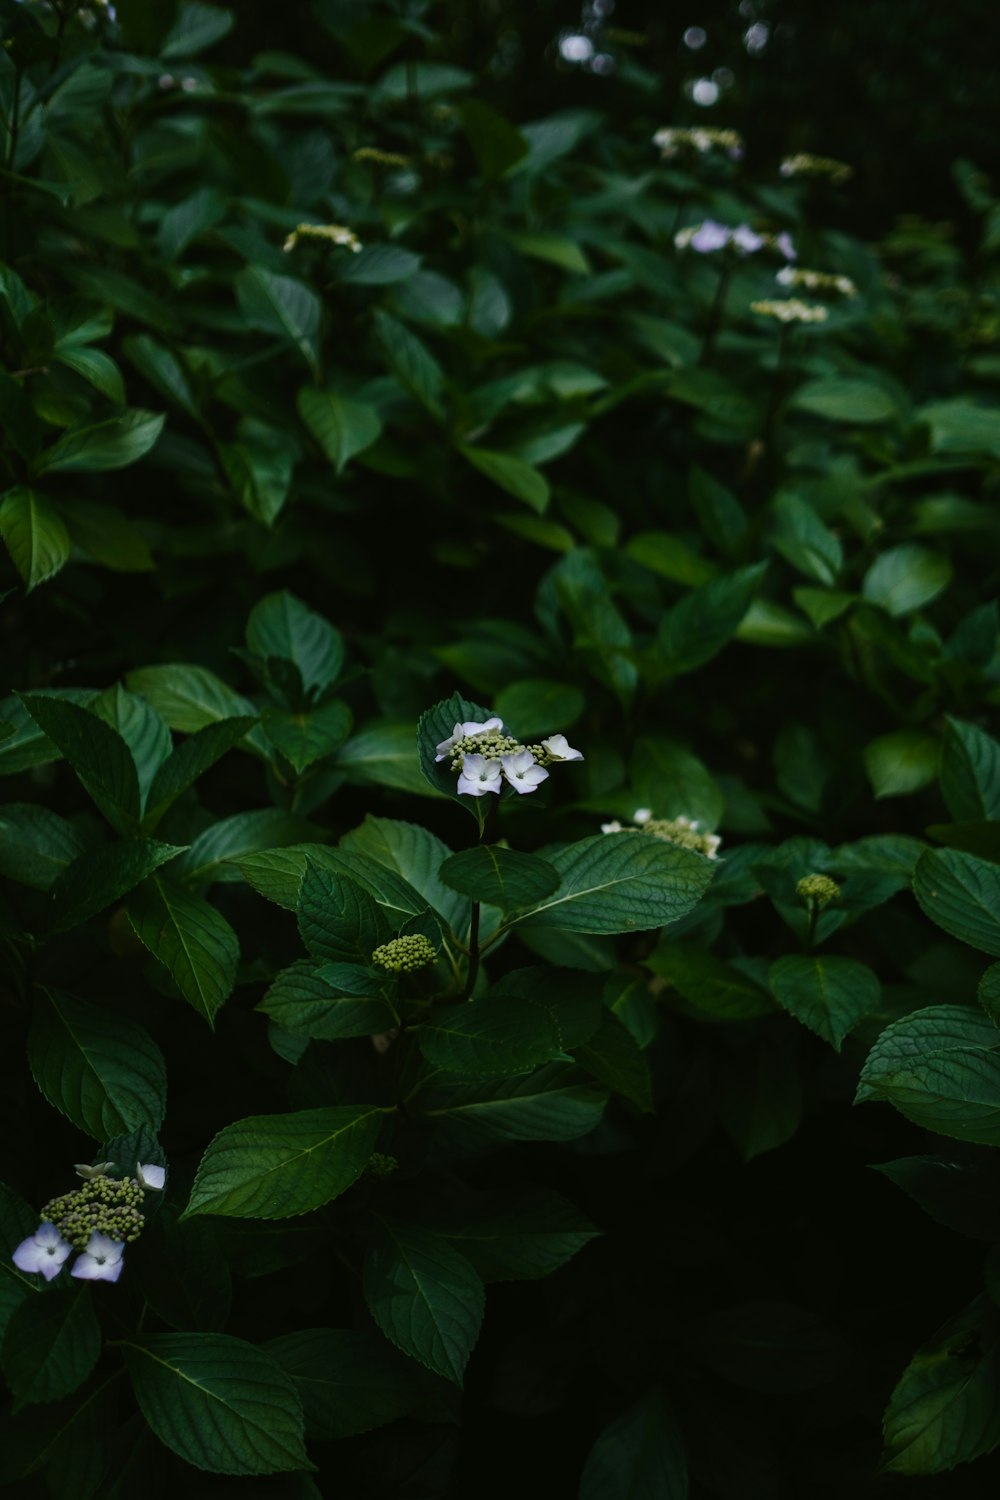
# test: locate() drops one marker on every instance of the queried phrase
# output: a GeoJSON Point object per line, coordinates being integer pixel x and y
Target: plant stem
{"type": "Point", "coordinates": [715, 312]}
{"type": "Point", "coordinates": [473, 972]}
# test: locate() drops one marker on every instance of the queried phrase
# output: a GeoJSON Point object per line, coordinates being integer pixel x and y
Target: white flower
{"type": "Point", "coordinates": [558, 749]}
{"type": "Point", "coordinates": [746, 239]}
{"type": "Point", "coordinates": [44, 1251]}
{"type": "Point", "coordinates": [151, 1176]}
{"type": "Point", "coordinates": [613, 827]}
{"type": "Point", "coordinates": [521, 771]}
{"type": "Point", "coordinates": [783, 242]}
{"type": "Point", "coordinates": [461, 731]}
{"type": "Point", "coordinates": [479, 775]}
{"type": "Point", "coordinates": [642, 815]}
{"type": "Point", "coordinates": [712, 842]}
{"type": "Point", "coordinates": [101, 1261]}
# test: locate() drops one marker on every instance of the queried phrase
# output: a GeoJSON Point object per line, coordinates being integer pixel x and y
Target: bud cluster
{"type": "Point", "coordinates": [817, 281]}
{"type": "Point", "coordinates": [406, 954]}
{"type": "Point", "coordinates": [380, 158]}
{"type": "Point", "coordinates": [819, 889]}
{"type": "Point", "coordinates": [105, 1204]}
{"type": "Point", "coordinates": [381, 1165]}
{"type": "Point", "coordinates": [804, 165]}
{"type": "Point", "coordinates": [492, 743]}
{"type": "Point", "coordinates": [334, 234]}
{"type": "Point", "coordinates": [792, 310]}
{"type": "Point", "coordinates": [686, 833]}
{"type": "Point", "coordinates": [673, 139]}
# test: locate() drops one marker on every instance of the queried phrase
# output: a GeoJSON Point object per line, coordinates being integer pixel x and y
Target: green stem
{"type": "Point", "coordinates": [715, 313]}
{"type": "Point", "coordinates": [473, 971]}
{"type": "Point", "coordinates": [811, 929]}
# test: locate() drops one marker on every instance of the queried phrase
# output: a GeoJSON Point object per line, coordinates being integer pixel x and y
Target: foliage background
{"type": "Point", "coordinates": [510, 449]}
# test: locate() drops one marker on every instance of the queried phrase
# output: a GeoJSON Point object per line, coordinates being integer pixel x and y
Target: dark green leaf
{"type": "Point", "coordinates": [190, 938]}
{"type": "Point", "coordinates": [36, 845]}
{"type": "Point", "coordinates": [703, 622]}
{"type": "Point", "coordinates": [106, 445]}
{"type": "Point", "coordinates": [283, 306]}
{"type": "Point", "coordinates": [342, 427]}
{"type": "Point", "coordinates": [502, 877]}
{"type": "Point", "coordinates": [970, 773]}
{"type": "Point", "coordinates": [551, 1104]}
{"type": "Point", "coordinates": [489, 1038]}
{"type": "Point", "coordinates": [638, 1456]}
{"type": "Point", "coordinates": [99, 877]}
{"type": "Point", "coordinates": [829, 995]}
{"type": "Point", "coordinates": [350, 1380]}
{"type": "Point", "coordinates": [616, 1060]}
{"type": "Point", "coordinates": [303, 1001]}
{"type": "Point", "coordinates": [961, 894]}
{"type": "Point", "coordinates": [50, 1347]}
{"type": "Point", "coordinates": [191, 760]}
{"type": "Point", "coordinates": [905, 578]}
{"type": "Point", "coordinates": [35, 535]}
{"type": "Point", "coordinates": [940, 1067]}
{"type": "Point", "coordinates": [426, 1298]}
{"type": "Point", "coordinates": [97, 753]}
{"type": "Point", "coordinates": [622, 882]}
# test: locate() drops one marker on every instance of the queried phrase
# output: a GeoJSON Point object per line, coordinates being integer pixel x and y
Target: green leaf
{"type": "Point", "coordinates": [616, 1060]}
{"type": "Point", "coordinates": [803, 540]}
{"type": "Point", "coordinates": [599, 631]}
{"type": "Point", "coordinates": [350, 1380]}
{"type": "Point", "coordinates": [901, 762]}
{"type": "Point", "coordinates": [213, 854]}
{"type": "Point", "coordinates": [959, 426]}
{"type": "Point", "coordinates": [510, 474]}
{"type": "Point", "coordinates": [191, 760]}
{"type": "Point", "coordinates": [841, 398]}
{"type": "Point", "coordinates": [674, 783]}
{"type": "Point", "coordinates": [551, 1104]}
{"type": "Point", "coordinates": [536, 706]}
{"type": "Point", "coordinates": [940, 1067]}
{"type": "Point", "coordinates": [338, 920]}
{"type": "Point", "coordinates": [98, 754]}
{"type": "Point", "coordinates": [411, 361]}
{"type": "Point", "coordinates": [197, 26]}
{"type": "Point", "coordinates": [342, 427]}
{"type": "Point", "coordinates": [555, 249]}
{"type": "Point", "coordinates": [417, 855]}
{"type": "Point", "coordinates": [278, 873]}
{"type": "Point", "coordinates": [492, 1038]}
{"type": "Point", "coordinates": [35, 535]}
{"type": "Point", "coordinates": [181, 225]}
{"type": "Point", "coordinates": [283, 306]}
{"type": "Point", "coordinates": [190, 938]}
{"type": "Point", "coordinates": [519, 1238]}
{"type": "Point", "coordinates": [100, 1069]}
{"type": "Point", "coordinates": [906, 578]}
{"type": "Point", "coordinates": [638, 1456]}
{"type": "Point", "coordinates": [672, 558]}
{"type": "Point", "coordinates": [105, 445]}
{"type": "Point", "coordinates": [426, 1298]}
{"type": "Point", "coordinates": [622, 882]}
{"type": "Point", "coordinates": [304, 738]}
{"type": "Point", "coordinates": [697, 628]}
{"type": "Point", "coordinates": [185, 1275]}
{"type": "Point", "coordinates": [51, 1345]}
{"type": "Point", "coordinates": [259, 468]}
{"type": "Point", "coordinates": [159, 366]}
{"type": "Point", "coordinates": [759, 1094]}
{"type": "Point", "coordinates": [278, 1166]}
{"type": "Point", "coordinates": [715, 990]}
{"type": "Point", "coordinates": [380, 265]}
{"type": "Point", "coordinates": [140, 726]}
{"type": "Point", "coordinates": [217, 1402]}
{"type": "Point", "coordinates": [36, 845]}
{"type": "Point", "coordinates": [502, 877]}
{"type": "Point", "coordinates": [385, 755]}
{"type": "Point", "coordinates": [961, 894]}
{"type": "Point", "coordinates": [944, 1411]}
{"type": "Point", "coordinates": [970, 772]}
{"type": "Point", "coordinates": [188, 697]}
{"type": "Point", "coordinates": [961, 1195]}
{"type": "Point", "coordinates": [101, 876]}
{"type": "Point", "coordinates": [94, 366]}
{"type": "Point", "coordinates": [495, 143]}
{"type": "Point", "coordinates": [829, 995]}
{"type": "Point", "coordinates": [107, 537]}
{"type": "Point", "coordinates": [303, 1001]}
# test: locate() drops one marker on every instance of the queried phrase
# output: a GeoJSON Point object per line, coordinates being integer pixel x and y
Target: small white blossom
{"type": "Point", "coordinates": [151, 1176]}
{"type": "Point", "coordinates": [478, 776]}
{"type": "Point", "coordinates": [613, 827]}
{"type": "Point", "coordinates": [557, 748]}
{"type": "Point", "coordinates": [806, 165]}
{"type": "Point", "coordinates": [101, 1261]}
{"type": "Point", "coordinates": [794, 310]}
{"type": "Point", "coordinates": [783, 242]}
{"type": "Point", "coordinates": [642, 815]}
{"type": "Point", "coordinates": [746, 239]}
{"type": "Point", "coordinates": [44, 1251]}
{"type": "Point", "coordinates": [705, 238]}
{"type": "Point", "coordinates": [521, 771]}
{"type": "Point", "coordinates": [461, 731]}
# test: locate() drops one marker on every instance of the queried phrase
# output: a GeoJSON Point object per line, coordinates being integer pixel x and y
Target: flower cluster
{"type": "Point", "coordinates": [804, 165]}
{"type": "Point", "coordinates": [336, 234]}
{"type": "Point", "coordinates": [791, 310]}
{"type": "Point", "coordinates": [671, 140]}
{"type": "Point", "coordinates": [485, 756]}
{"type": "Point", "coordinates": [819, 889]}
{"type": "Point", "coordinates": [98, 1219]}
{"type": "Point", "coordinates": [816, 281]}
{"type": "Point", "coordinates": [687, 833]}
{"type": "Point", "coordinates": [380, 158]}
{"type": "Point", "coordinates": [403, 955]}
{"type": "Point", "coordinates": [710, 236]}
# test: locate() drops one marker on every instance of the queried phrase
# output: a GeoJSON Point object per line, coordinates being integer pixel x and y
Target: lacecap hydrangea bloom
{"type": "Point", "coordinates": [97, 1219]}
{"type": "Point", "coordinates": [710, 236]}
{"type": "Point", "coordinates": [487, 758]}
{"type": "Point", "coordinates": [686, 833]}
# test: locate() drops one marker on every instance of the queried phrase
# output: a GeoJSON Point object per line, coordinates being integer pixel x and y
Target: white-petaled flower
{"type": "Point", "coordinates": [151, 1176]}
{"type": "Point", "coordinates": [521, 771]}
{"type": "Point", "coordinates": [642, 815]}
{"type": "Point", "coordinates": [101, 1261]}
{"type": "Point", "coordinates": [44, 1251]}
{"type": "Point", "coordinates": [461, 731]}
{"type": "Point", "coordinates": [613, 827]}
{"type": "Point", "coordinates": [705, 238]}
{"type": "Point", "coordinates": [783, 242]}
{"type": "Point", "coordinates": [817, 281]}
{"type": "Point", "coordinates": [794, 310]}
{"type": "Point", "coordinates": [556, 748]}
{"type": "Point", "coordinates": [746, 239]}
{"type": "Point", "coordinates": [479, 776]}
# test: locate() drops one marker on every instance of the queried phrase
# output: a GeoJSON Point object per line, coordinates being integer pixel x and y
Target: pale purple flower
{"type": "Point", "coordinates": [709, 236]}
{"type": "Point", "coordinates": [45, 1251]}
{"type": "Point", "coordinates": [746, 239]}
{"type": "Point", "coordinates": [521, 772]}
{"type": "Point", "coordinates": [783, 242]}
{"type": "Point", "coordinates": [459, 733]}
{"type": "Point", "coordinates": [151, 1176]}
{"type": "Point", "coordinates": [101, 1261]}
{"type": "Point", "coordinates": [558, 749]}
{"type": "Point", "coordinates": [479, 776]}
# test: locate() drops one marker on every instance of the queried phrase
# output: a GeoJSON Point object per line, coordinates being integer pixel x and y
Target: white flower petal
{"type": "Point", "coordinates": [101, 1261]}
{"type": "Point", "coordinates": [521, 772]}
{"type": "Point", "coordinates": [642, 815]}
{"type": "Point", "coordinates": [448, 745]}
{"type": "Point", "coordinates": [478, 776]}
{"type": "Point", "coordinates": [559, 749]}
{"type": "Point", "coordinates": [472, 728]}
{"type": "Point", "coordinates": [43, 1252]}
{"type": "Point", "coordinates": [151, 1176]}
{"type": "Point", "coordinates": [613, 827]}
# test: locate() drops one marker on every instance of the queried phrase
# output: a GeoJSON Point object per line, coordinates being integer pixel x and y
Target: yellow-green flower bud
{"type": "Point", "coordinates": [405, 954]}
{"type": "Point", "coordinates": [818, 888]}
